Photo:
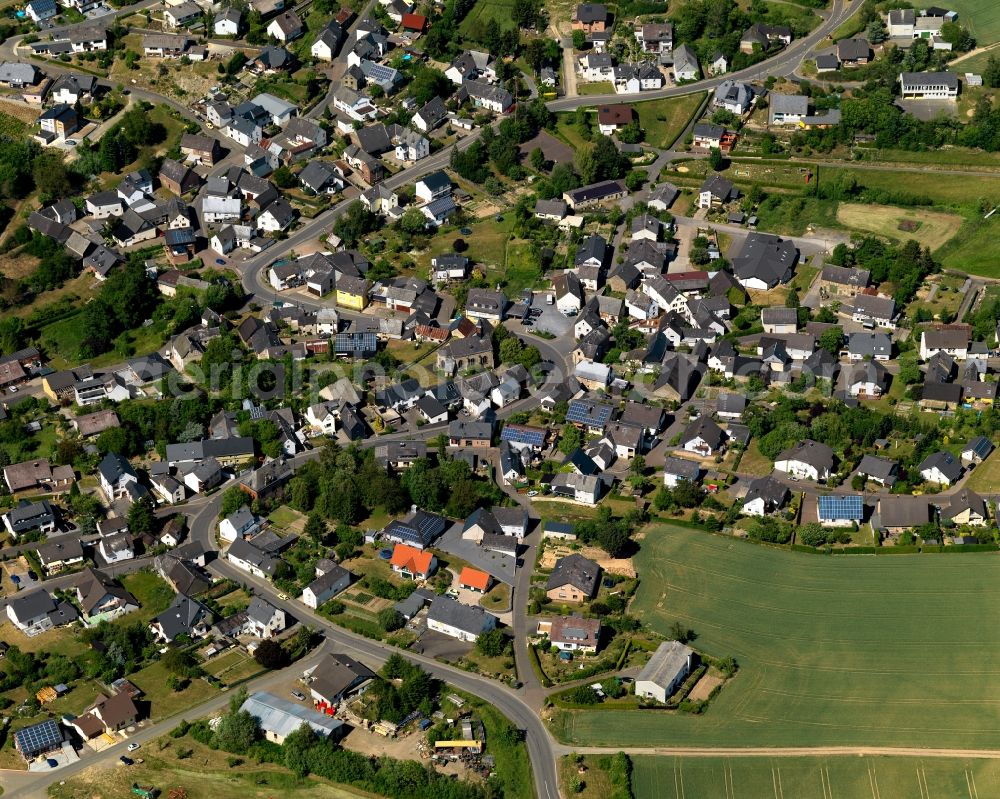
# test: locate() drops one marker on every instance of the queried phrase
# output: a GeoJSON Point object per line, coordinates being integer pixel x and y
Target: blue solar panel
{"type": "Point", "coordinates": [588, 413]}
{"type": "Point", "coordinates": [523, 435]}
{"type": "Point", "coordinates": [38, 739]}
{"type": "Point", "coordinates": [845, 508]}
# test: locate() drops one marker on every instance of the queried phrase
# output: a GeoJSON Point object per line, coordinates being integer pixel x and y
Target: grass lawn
{"type": "Point", "coordinates": [60, 641]}
{"type": "Point", "coordinates": [955, 190]}
{"type": "Point", "coordinates": [932, 228]}
{"type": "Point", "coordinates": [238, 599]}
{"type": "Point", "coordinates": [204, 773]}
{"type": "Point", "coordinates": [753, 462]}
{"type": "Point", "coordinates": [594, 778]}
{"type": "Point", "coordinates": [976, 248]}
{"type": "Point", "coordinates": [804, 276]}
{"type": "Point", "coordinates": [986, 476]}
{"type": "Point", "coordinates": [486, 244]}
{"type": "Point", "coordinates": [811, 778]}
{"type": "Point", "coordinates": [595, 87]}
{"type": "Point", "coordinates": [284, 516]}
{"type": "Point", "coordinates": [498, 598]}
{"type": "Point", "coordinates": [482, 13]}
{"type": "Point", "coordinates": [164, 702]}
{"type": "Point", "coordinates": [830, 649]}
{"type": "Point", "coordinates": [664, 120]}
{"type": "Point", "coordinates": [946, 297]}
{"type": "Point", "coordinates": [567, 131]}
{"type": "Point", "coordinates": [152, 591]}
{"type": "Point", "coordinates": [522, 269]}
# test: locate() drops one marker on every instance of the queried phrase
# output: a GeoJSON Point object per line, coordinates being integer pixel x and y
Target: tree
{"type": "Point", "coordinates": [413, 221]}
{"type": "Point", "coordinates": [579, 40]}
{"type": "Point", "coordinates": [51, 176]}
{"type": "Point", "coordinates": [179, 662]}
{"type": "Point", "coordinates": [537, 159]}
{"type": "Point", "coordinates": [315, 528]}
{"type": "Point", "coordinates": [812, 534]}
{"type": "Point", "coordinates": [510, 350]}
{"type": "Point", "coordinates": [355, 224]}
{"type": "Point", "coordinates": [141, 517]}
{"type": "Point", "coordinates": [237, 730]}
{"type": "Point", "coordinates": [283, 177]}
{"type": "Point", "coordinates": [716, 160]}
{"type": "Point", "coordinates": [271, 655]}
{"type": "Point", "coordinates": [832, 339]}
{"type": "Point", "coordinates": [390, 619]}
{"type": "Point", "coordinates": [570, 440]}
{"type": "Point", "coordinates": [232, 500]}
{"type": "Point", "coordinates": [492, 644]}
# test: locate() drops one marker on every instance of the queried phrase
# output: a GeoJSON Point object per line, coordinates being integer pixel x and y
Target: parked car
{"type": "Point", "coordinates": [51, 762]}
{"type": "Point", "coordinates": [299, 695]}
{"type": "Point", "coordinates": [132, 747]}
{"type": "Point", "coordinates": [126, 761]}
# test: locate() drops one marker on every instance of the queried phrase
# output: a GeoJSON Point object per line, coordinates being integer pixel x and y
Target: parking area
{"type": "Point", "coordinates": [549, 320]}
{"type": "Point", "coordinates": [440, 646]}
{"type": "Point", "coordinates": [55, 760]}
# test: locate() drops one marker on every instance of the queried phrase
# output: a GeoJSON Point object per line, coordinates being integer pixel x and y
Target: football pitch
{"type": "Point", "coordinates": [833, 651]}
{"type": "Point", "coordinates": [814, 778]}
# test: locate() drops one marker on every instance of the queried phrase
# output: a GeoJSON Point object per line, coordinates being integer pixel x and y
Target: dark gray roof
{"type": "Point", "coordinates": [577, 571]}
{"type": "Point", "coordinates": [467, 618]}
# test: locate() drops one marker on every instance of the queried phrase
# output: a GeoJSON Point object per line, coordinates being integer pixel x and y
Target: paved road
{"type": "Point", "coordinates": [783, 63]}
{"type": "Point", "coordinates": [541, 747]}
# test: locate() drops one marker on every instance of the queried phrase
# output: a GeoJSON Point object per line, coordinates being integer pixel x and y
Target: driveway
{"type": "Point", "coordinates": [440, 646]}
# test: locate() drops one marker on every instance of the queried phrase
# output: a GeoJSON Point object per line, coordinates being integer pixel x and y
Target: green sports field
{"type": "Point", "coordinates": [850, 650]}
{"type": "Point", "coordinates": [814, 778]}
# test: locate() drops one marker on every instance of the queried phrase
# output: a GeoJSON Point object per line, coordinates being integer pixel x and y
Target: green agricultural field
{"type": "Point", "coordinates": [846, 650]}
{"type": "Point", "coordinates": [483, 12]}
{"type": "Point", "coordinates": [813, 778]}
{"type": "Point", "coordinates": [980, 17]}
{"type": "Point", "coordinates": [664, 120]}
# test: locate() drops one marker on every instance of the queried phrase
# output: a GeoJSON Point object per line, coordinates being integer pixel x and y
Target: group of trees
{"type": "Point", "coordinates": [501, 147]}
{"type": "Point", "coordinates": [717, 25]}
{"type": "Point", "coordinates": [125, 300]}
{"type": "Point", "coordinates": [120, 145]}
{"type": "Point", "coordinates": [403, 688]}
{"type": "Point", "coordinates": [36, 670]}
{"type": "Point", "coordinates": [610, 533]}
{"type": "Point", "coordinates": [346, 485]}
{"type": "Point", "coordinates": [123, 648]}
{"type": "Point", "coordinates": [905, 266]}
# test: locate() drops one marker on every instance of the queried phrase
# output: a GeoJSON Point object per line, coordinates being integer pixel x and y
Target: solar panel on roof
{"type": "Point", "coordinates": [39, 738]}
{"type": "Point", "coordinates": [588, 413]}
{"type": "Point", "coordinates": [843, 508]}
{"type": "Point", "coordinates": [520, 435]}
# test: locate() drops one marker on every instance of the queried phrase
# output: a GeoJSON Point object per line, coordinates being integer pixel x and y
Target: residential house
{"type": "Point", "coordinates": [685, 64]}
{"type": "Point", "coordinates": [966, 508]}
{"type": "Point", "coordinates": [572, 633]}
{"type": "Point", "coordinates": [454, 619]}
{"type": "Point", "coordinates": [573, 579]}
{"type": "Point", "coordinates": [665, 671]}
{"type": "Point", "coordinates": [716, 191]}
{"type": "Point", "coordinates": [940, 467]}
{"type": "Point", "coordinates": [286, 27]}
{"type": "Point", "coordinates": [787, 109]}
{"type": "Point", "coordinates": [808, 459]}
{"type": "Point", "coordinates": [764, 497]}
{"type": "Point", "coordinates": [765, 261]}
{"type": "Point", "coordinates": [329, 582]}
